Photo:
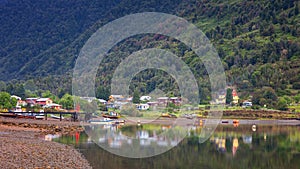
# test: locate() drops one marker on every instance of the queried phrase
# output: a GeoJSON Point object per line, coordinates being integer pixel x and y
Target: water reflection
{"type": "Point", "coordinates": [230, 147]}
{"type": "Point", "coordinates": [50, 137]}
{"type": "Point", "coordinates": [136, 140]}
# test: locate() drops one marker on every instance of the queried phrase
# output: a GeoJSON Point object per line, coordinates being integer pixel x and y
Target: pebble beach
{"type": "Point", "coordinates": [22, 145]}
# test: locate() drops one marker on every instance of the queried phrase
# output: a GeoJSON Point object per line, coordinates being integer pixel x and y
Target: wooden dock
{"type": "Point", "coordinates": [74, 115]}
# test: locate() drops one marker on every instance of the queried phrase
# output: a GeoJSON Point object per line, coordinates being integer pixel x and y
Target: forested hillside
{"type": "Point", "coordinates": [258, 42]}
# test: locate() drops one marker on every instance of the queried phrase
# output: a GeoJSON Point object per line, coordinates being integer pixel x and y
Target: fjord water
{"type": "Point", "coordinates": [270, 146]}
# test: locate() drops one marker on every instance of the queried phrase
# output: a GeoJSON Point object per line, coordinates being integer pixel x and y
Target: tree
{"type": "Point", "coordinates": [19, 90]}
{"type": "Point", "coordinates": [48, 94]}
{"type": "Point", "coordinates": [30, 85]}
{"type": "Point", "coordinates": [270, 94]}
{"type": "Point", "coordinates": [2, 86]}
{"type": "Point", "coordinates": [297, 98]}
{"type": "Point", "coordinates": [6, 102]}
{"type": "Point", "coordinates": [296, 8]}
{"type": "Point", "coordinates": [282, 104]}
{"type": "Point", "coordinates": [136, 97]}
{"type": "Point", "coordinates": [265, 96]}
{"type": "Point", "coordinates": [229, 97]}
{"type": "Point", "coordinates": [29, 93]}
{"type": "Point", "coordinates": [67, 102]}
{"type": "Point", "coordinates": [102, 93]}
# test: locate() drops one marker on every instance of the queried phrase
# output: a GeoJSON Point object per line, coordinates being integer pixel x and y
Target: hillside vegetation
{"type": "Point", "coordinates": [258, 42]}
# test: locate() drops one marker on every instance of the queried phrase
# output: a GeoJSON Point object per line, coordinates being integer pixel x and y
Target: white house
{"type": "Point", "coordinates": [142, 106]}
{"type": "Point", "coordinates": [102, 101]}
{"type": "Point", "coordinates": [145, 98]}
{"type": "Point", "coordinates": [16, 97]}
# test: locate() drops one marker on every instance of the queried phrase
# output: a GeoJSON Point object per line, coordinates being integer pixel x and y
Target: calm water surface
{"type": "Point", "coordinates": [270, 146]}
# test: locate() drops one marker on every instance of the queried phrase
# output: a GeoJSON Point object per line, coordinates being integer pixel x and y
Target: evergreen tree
{"type": "Point", "coordinates": [136, 97]}
{"type": "Point", "coordinates": [229, 97]}
{"type": "Point", "coordinates": [102, 93]}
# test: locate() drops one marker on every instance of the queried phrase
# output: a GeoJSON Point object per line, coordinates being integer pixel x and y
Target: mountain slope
{"type": "Point", "coordinates": [258, 41]}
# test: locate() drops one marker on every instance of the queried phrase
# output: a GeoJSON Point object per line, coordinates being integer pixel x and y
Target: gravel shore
{"type": "Point", "coordinates": [22, 146]}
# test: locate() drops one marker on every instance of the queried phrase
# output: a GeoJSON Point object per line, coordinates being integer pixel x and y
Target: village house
{"type": "Point", "coordinates": [129, 99]}
{"type": "Point", "coordinates": [31, 101]}
{"type": "Point", "coordinates": [153, 104]}
{"type": "Point", "coordinates": [53, 106]}
{"type": "Point", "coordinates": [163, 101]}
{"type": "Point", "coordinates": [142, 106]}
{"type": "Point", "coordinates": [220, 98]}
{"type": "Point", "coordinates": [20, 102]}
{"type": "Point", "coordinates": [16, 97]}
{"type": "Point", "coordinates": [235, 97]}
{"type": "Point", "coordinates": [145, 98]}
{"type": "Point", "coordinates": [117, 98]}
{"type": "Point", "coordinates": [43, 101]}
{"type": "Point", "coordinates": [102, 101]}
{"type": "Point", "coordinates": [176, 100]}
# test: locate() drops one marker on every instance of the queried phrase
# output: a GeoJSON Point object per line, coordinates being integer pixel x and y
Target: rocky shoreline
{"type": "Point", "coordinates": [23, 147]}
{"type": "Point", "coordinates": [44, 126]}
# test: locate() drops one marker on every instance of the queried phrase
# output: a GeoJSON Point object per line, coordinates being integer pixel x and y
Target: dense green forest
{"type": "Point", "coordinates": [258, 42]}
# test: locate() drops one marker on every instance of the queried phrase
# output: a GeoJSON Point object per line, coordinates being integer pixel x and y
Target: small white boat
{"type": "Point", "coordinates": [56, 117]}
{"type": "Point", "coordinates": [40, 116]}
{"type": "Point", "coordinates": [102, 121]}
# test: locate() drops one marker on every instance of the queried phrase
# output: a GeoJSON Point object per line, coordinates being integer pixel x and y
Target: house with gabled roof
{"type": "Point", "coordinates": [44, 101]}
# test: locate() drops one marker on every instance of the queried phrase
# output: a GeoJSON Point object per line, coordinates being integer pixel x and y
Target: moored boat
{"type": "Point", "coordinates": [111, 115]}
{"type": "Point", "coordinates": [55, 117]}
{"type": "Point", "coordinates": [102, 121]}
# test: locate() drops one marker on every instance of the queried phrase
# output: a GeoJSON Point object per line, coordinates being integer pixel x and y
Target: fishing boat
{"type": "Point", "coordinates": [111, 115]}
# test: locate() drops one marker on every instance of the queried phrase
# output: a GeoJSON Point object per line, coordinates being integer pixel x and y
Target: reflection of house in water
{"type": "Point", "coordinates": [115, 139]}
{"type": "Point", "coordinates": [49, 137]}
{"type": "Point", "coordinates": [247, 139]}
{"type": "Point", "coordinates": [235, 146]}
{"type": "Point", "coordinates": [115, 143]}
{"type": "Point", "coordinates": [145, 142]}
{"type": "Point", "coordinates": [101, 139]}
{"type": "Point", "coordinates": [142, 134]}
{"type": "Point", "coordinates": [162, 142]}
{"type": "Point", "coordinates": [220, 144]}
